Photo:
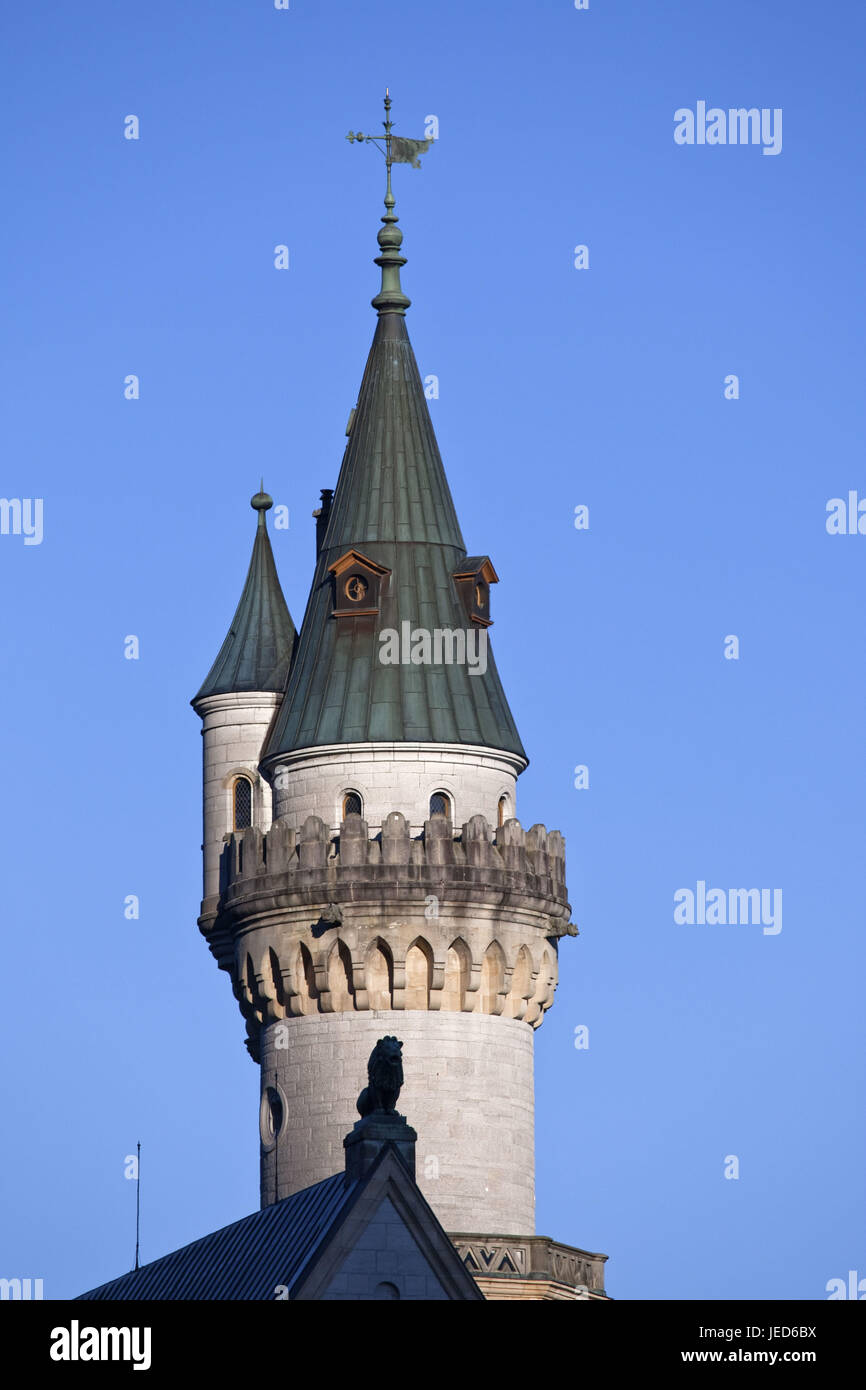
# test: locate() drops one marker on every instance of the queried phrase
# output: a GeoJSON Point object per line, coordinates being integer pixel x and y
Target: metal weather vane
{"type": "Point", "coordinates": [397, 149]}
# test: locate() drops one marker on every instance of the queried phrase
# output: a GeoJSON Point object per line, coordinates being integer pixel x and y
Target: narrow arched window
{"type": "Point", "coordinates": [242, 803]}
{"type": "Point", "coordinates": [352, 805]}
{"type": "Point", "coordinates": [502, 810]}
{"type": "Point", "coordinates": [440, 805]}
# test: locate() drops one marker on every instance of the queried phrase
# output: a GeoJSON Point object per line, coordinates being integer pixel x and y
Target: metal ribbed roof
{"type": "Point", "coordinates": [258, 647]}
{"type": "Point", "coordinates": [393, 504]}
{"type": "Point", "coordinates": [246, 1260]}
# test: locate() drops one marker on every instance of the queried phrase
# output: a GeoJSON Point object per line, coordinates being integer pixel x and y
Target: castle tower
{"type": "Point", "coordinates": [396, 892]}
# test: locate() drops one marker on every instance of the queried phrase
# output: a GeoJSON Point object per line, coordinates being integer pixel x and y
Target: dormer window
{"type": "Point", "coordinates": [358, 585]}
{"type": "Point", "coordinates": [473, 578]}
{"type": "Point", "coordinates": [242, 803]}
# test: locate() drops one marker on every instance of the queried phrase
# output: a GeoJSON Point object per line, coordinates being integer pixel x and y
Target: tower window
{"type": "Point", "coordinates": [440, 805]}
{"type": "Point", "coordinates": [502, 810]}
{"type": "Point", "coordinates": [356, 588]}
{"type": "Point", "coordinates": [352, 805]}
{"type": "Point", "coordinates": [243, 803]}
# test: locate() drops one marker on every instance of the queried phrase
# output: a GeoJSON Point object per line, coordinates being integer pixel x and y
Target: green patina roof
{"type": "Point", "coordinates": [258, 648]}
{"type": "Point", "coordinates": [393, 504]}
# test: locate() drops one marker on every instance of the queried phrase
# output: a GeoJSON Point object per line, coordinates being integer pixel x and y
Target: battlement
{"type": "Point", "coordinates": [509, 857]}
{"type": "Point", "coordinates": [311, 922]}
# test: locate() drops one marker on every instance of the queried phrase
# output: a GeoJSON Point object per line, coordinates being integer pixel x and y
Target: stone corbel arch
{"type": "Point", "coordinates": [494, 980]}
{"type": "Point", "coordinates": [339, 996]}
{"type": "Point", "coordinates": [545, 986]}
{"type": "Point", "coordinates": [374, 980]}
{"type": "Point", "coordinates": [418, 974]}
{"type": "Point", "coordinates": [523, 985]}
{"type": "Point", "coordinates": [461, 978]}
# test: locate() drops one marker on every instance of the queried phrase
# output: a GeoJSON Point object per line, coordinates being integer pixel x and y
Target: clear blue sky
{"type": "Point", "coordinates": [558, 387]}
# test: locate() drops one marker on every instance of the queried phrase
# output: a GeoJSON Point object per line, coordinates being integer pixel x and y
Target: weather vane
{"type": "Point", "coordinates": [397, 149]}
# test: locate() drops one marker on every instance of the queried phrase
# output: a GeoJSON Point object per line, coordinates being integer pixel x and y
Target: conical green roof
{"type": "Point", "coordinates": [392, 503]}
{"type": "Point", "coordinates": [257, 651]}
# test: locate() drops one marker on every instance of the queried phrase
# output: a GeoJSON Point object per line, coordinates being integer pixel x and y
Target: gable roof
{"type": "Point", "coordinates": [246, 1260]}
{"type": "Point", "coordinates": [294, 1244]}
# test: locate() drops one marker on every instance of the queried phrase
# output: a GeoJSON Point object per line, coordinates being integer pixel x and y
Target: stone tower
{"type": "Point", "coordinates": [389, 887]}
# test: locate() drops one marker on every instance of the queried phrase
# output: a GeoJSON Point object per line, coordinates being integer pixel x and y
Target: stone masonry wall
{"type": "Point", "coordinates": [394, 777]}
{"type": "Point", "coordinates": [233, 729]}
{"type": "Point", "coordinates": [468, 1091]}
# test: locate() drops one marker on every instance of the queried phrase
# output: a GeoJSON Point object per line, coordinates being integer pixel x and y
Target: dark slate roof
{"type": "Point", "coordinates": [257, 651]}
{"type": "Point", "coordinates": [392, 502]}
{"type": "Point", "coordinates": [246, 1260]}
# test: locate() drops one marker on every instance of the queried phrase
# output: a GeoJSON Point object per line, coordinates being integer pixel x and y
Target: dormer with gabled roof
{"type": "Point", "coordinates": [358, 582]}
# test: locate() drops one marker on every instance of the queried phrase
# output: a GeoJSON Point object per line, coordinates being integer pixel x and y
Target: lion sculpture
{"type": "Point", "coordinates": [384, 1078]}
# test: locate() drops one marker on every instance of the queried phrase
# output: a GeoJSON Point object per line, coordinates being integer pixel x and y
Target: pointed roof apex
{"type": "Point", "coordinates": [397, 150]}
{"type": "Point", "coordinates": [261, 502]}
{"type": "Point", "coordinates": [257, 651]}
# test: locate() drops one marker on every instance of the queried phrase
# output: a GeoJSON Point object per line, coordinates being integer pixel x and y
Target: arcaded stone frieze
{"type": "Point", "coordinates": [311, 923]}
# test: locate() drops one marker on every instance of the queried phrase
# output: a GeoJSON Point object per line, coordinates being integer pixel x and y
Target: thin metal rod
{"type": "Point", "coordinates": [137, 1200]}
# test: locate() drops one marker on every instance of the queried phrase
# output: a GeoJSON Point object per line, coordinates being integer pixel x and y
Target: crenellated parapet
{"type": "Point", "coordinates": [312, 923]}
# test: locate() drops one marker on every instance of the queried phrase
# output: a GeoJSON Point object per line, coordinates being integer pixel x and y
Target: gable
{"type": "Point", "coordinates": [387, 1243]}
{"type": "Point", "coordinates": [384, 1262]}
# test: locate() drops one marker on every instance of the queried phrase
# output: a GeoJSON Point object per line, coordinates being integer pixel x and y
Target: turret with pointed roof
{"type": "Point", "coordinates": [257, 651]}
{"type": "Point", "coordinates": [371, 673]}
{"type": "Point", "coordinates": [237, 702]}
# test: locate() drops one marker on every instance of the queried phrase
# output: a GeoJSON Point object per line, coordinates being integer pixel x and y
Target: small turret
{"type": "Point", "coordinates": [237, 702]}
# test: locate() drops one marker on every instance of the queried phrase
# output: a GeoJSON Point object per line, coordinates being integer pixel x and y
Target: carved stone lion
{"type": "Point", "coordinates": [384, 1078]}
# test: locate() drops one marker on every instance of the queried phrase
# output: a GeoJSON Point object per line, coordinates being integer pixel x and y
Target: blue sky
{"type": "Point", "coordinates": [558, 387]}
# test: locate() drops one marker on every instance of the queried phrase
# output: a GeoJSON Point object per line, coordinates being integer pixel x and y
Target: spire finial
{"type": "Point", "coordinates": [261, 502]}
{"type": "Point", "coordinates": [397, 150]}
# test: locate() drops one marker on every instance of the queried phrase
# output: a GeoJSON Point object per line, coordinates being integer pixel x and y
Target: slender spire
{"type": "Point", "coordinates": [258, 647]}
{"type": "Point", "coordinates": [390, 299]}
{"type": "Point", "coordinates": [397, 150]}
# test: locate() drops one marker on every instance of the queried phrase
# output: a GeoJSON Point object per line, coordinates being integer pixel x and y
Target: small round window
{"type": "Point", "coordinates": [356, 588]}
{"type": "Point", "coordinates": [271, 1116]}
